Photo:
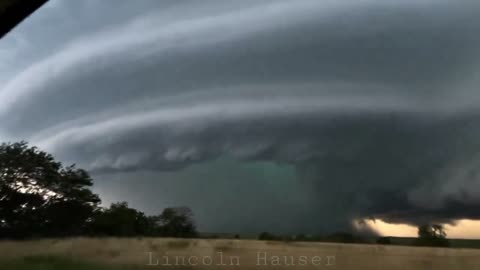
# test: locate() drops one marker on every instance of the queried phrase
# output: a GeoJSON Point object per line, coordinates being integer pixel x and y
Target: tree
{"type": "Point", "coordinates": [176, 222]}
{"type": "Point", "coordinates": [41, 197]}
{"type": "Point", "coordinates": [431, 235]}
{"type": "Point", "coordinates": [121, 220]}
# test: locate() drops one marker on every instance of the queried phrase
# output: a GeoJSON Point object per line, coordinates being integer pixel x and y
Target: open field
{"type": "Point", "coordinates": [164, 253]}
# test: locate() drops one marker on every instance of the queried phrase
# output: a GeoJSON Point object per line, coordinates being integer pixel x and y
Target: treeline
{"type": "Point", "coordinates": [40, 197]}
{"type": "Point", "coordinates": [338, 237]}
{"type": "Point", "coordinates": [429, 235]}
{"type": "Point", "coordinates": [121, 220]}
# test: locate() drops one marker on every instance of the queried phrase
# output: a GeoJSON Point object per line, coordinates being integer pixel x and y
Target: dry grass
{"type": "Point", "coordinates": [116, 252]}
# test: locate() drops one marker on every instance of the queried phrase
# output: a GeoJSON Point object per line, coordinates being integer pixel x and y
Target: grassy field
{"type": "Point", "coordinates": [158, 253]}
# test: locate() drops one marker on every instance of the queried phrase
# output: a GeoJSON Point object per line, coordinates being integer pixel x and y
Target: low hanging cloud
{"type": "Point", "coordinates": [374, 104]}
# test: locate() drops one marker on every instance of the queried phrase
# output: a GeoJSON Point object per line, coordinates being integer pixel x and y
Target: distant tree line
{"type": "Point", "coordinates": [121, 220]}
{"type": "Point", "coordinates": [431, 235]}
{"type": "Point", "coordinates": [40, 197]}
{"type": "Point", "coordinates": [337, 237]}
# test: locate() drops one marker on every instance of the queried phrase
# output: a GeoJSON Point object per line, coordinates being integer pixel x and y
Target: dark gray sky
{"type": "Point", "coordinates": [295, 115]}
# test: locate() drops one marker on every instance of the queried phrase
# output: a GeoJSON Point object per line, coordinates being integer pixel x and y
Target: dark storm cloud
{"type": "Point", "coordinates": [374, 103]}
